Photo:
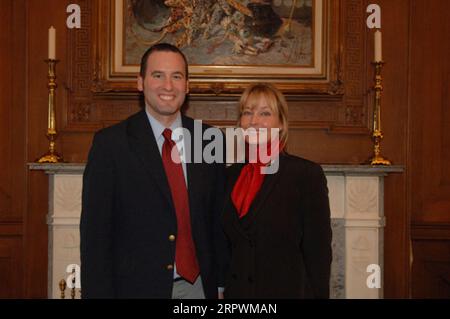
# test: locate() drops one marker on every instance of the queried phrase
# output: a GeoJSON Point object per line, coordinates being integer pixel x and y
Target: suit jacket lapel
{"type": "Point", "coordinates": [143, 143]}
{"type": "Point", "coordinates": [264, 192]}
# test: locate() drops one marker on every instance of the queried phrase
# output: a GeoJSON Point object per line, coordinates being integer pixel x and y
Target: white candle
{"type": "Point", "coordinates": [52, 43]}
{"type": "Point", "coordinates": [378, 50]}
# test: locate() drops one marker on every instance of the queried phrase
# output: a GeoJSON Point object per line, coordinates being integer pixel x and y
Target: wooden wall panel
{"type": "Point", "coordinates": [429, 145]}
{"type": "Point", "coordinates": [431, 271]}
{"type": "Point", "coordinates": [6, 9]}
{"type": "Point", "coordinates": [431, 268]}
{"type": "Point", "coordinates": [10, 261]}
{"type": "Point", "coordinates": [12, 146]}
{"type": "Point", "coordinates": [430, 103]}
{"type": "Point", "coordinates": [36, 237]}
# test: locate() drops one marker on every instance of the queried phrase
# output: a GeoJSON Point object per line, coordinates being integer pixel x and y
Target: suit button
{"type": "Point", "coordinates": [169, 267]}
{"type": "Point", "coordinates": [172, 237]}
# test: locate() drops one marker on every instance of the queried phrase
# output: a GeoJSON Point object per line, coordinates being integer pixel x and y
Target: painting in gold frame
{"type": "Point", "coordinates": [301, 38]}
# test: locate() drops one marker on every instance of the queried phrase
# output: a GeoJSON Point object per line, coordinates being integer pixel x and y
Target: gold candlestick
{"type": "Point", "coordinates": [377, 134]}
{"type": "Point", "coordinates": [51, 156]}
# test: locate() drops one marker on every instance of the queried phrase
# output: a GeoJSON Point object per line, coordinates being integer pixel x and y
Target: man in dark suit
{"type": "Point", "coordinates": [150, 225]}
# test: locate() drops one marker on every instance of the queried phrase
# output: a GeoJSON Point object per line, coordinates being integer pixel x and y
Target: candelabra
{"type": "Point", "coordinates": [377, 134]}
{"type": "Point", "coordinates": [51, 156]}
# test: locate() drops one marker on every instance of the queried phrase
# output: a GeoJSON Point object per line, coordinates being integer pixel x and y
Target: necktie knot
{"type": "Point", "coordinates": [167, 133]}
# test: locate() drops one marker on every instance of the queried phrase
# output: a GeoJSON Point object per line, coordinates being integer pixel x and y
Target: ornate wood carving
{"type": "Point", "coordinates": [354, 64]}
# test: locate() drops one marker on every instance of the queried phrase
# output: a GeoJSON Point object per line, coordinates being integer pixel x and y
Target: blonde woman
{"type": "Point", "coordinates": [277, 223]}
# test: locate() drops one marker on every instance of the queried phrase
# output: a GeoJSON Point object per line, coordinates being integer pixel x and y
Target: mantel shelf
{"type": "Point", "coordinates": [329, 169]}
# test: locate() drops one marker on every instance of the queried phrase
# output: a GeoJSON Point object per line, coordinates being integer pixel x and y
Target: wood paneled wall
{"type": "Point", "coordinates": [429, 148]}
{"type": "Point", "coordinates": [13, 173]}
{"type": "Point", "coordinates": [415, 119]}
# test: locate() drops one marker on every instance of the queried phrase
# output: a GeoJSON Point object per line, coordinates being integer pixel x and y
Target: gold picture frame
{"type": "Point", "coordinates": [114, 73]}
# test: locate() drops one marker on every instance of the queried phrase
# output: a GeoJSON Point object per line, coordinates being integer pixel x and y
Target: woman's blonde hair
{"type": "Point", "coordinates": [275, 100]}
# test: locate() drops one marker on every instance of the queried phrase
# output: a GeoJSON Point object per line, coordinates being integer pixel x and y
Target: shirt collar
{"type": "Point", "coordinates": [158, 128]}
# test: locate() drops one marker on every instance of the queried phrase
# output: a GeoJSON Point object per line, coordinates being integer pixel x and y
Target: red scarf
{"type": "Point", "coordinates": [250, 180]}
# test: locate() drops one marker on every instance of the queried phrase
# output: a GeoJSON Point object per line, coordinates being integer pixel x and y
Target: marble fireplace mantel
{"type": "Point", "coordinates": [356, 199]}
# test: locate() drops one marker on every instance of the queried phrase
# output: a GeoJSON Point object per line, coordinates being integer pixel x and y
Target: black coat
{"type": "Point", "coordinates": [282, 247]}
{"type": "Point", "coordinates": [128, 216]}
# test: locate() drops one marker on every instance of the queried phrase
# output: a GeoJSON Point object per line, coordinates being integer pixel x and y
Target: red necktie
{"type": "Point", "coordinates": [185, 257]}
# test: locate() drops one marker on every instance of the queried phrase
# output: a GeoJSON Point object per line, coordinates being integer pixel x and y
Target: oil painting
{"type": "Point", "coordinates": [223, 32]}
{"type": "Point", "coordinates": [284, 38]}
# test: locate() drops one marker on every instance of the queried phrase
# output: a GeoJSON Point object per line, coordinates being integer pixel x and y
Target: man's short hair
{"type": "Point", "coordinates": [161, 47]}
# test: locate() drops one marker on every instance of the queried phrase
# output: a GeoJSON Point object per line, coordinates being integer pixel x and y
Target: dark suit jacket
{"type": "Point", "coordinates": [128, 216]}
{"type": "Point", "coordinates": [282, 247]}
